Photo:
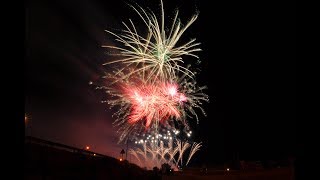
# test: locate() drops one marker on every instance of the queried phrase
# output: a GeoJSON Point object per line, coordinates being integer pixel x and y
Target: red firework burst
{"type": "Point", "coordinates": [157, 102]}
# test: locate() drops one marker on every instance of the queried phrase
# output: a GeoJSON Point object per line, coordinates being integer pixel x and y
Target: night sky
{"type": "Point", "coordinates": [247, 62]}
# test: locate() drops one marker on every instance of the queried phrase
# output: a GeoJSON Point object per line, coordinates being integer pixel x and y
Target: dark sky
{"type": "Point", "coordinates": [248, 64]}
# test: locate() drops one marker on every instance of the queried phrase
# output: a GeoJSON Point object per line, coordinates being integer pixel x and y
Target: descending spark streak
{"type": "Point", "coordinates": [135, 154]}
{"type": "Point", "coordinates": [154, 154]}
{"type": "Point", "coordinates": [157, 54]}
{"type": "Point", "coordinates": [195, 147]}
{"type": "Point", "coordinates": [161, 149]}
{"type": "Point", "coordinates": [181, 148]}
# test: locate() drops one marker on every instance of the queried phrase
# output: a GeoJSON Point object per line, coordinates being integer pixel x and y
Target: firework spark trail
{"type": "Point", "coordinates": [142, 152]}
{"type": "Point", "coordinates": [182, 146]}
{"type": "Point", "coordinates": [154, 154]}
{"type": "Point", "coordinates": [172, 152]}
{"type": "Point", "coordinates": [163, 152]}
{"type": "Point", "coordinates": [195, 147]}
{"type": "Point", "coordinates": [156, 55]}
{"type": "Point", "coordinates": [135, 154]}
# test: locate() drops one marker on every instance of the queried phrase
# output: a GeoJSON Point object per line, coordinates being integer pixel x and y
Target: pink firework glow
{"type": "Point", "coordinates": [154, 102]}
{"type": "Point", "coordinates": [143, 106]}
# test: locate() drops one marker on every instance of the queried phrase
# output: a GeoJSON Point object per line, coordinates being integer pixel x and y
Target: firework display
{"type": "Point", "coordinates": [152, 89]}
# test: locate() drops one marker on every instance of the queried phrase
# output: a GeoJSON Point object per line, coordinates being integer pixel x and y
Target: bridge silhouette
{"type": "Point", "coordinates": [50, 160]}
